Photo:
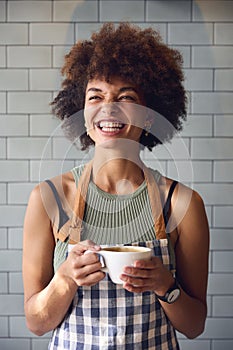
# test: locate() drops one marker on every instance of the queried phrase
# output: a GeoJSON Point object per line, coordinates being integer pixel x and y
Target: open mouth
{"type": "Point", "coordinates": [110, 126]}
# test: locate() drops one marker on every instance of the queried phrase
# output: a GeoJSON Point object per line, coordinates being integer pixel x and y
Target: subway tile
{"type": "Point", "coordinates": [198, 79]}
{"type": "Point", "coordinates": [127, 11]}
{"type": "Point", "coordinates": [29, 148]}
{"type": "Point", "coordinates": [19, 344]}
{"type": "Point", "coordinates": [45, 79]}
{"type": "Point", "coordinates": [201, 171]}
{"type": "Point", "coordinates": [3, 331]}
{"type": "Point", "coordinates": [40, 344]}
{"type": "Point", "coordinates": [221, 239]}
{"type": "Point", "coordinates": [220, 328]}
{"type": "Point", "coordinates": [15, 283]}
{"type": "Point", "coordinates": [18, 327]}
{"type": "Point", "coordinates": [222, 261]}
{"type": "Point", "coordinates": [186, 344]}
{"type": "Point", "coordinates": [216, 194]}
{"type": "Point", "coordinates": [212, 56]}
{"type": "Point", "coordinates": [223, 79]}
{"type": "Point", "coordinates": [223, 125]}
{"type": "Point", "coordinates": [29, 11]}
{"type": "Point", "coordinates": [222, 344]}
{"type": "Point", "coordinates": [10, 260]}
{"type": "Point", "coordinates": [14, 170]}
{"type": "Point", "coordinates": [212, 102]}
{"type": "Point", "coordinates": [29, 56]}
{"type": "Point", "coordinates": [168, 11]}
{"type": "Point", "coordinates": [2, 148]}
{"type": "Point", "coordinates": [181, 171]}
{"type": "Point", "coordinates": [215, 11]}
{"type": "Point", "coordinates": [59, 53]}
{"type": "Point", "coordinates": [223, 216]}
{"type": "Point", "coordinates": [12, 215]}
{"type": "Point", "coordinates": [45, 125]}
{"type": "Point", "coordinates": [211, 148]}
{"type": "Point", "coordinates": [177, 149]}
{"type": "Point", "coordinates": [223, 33]}
{"type": "Point", "coordinates": [18, 193]}
{"type": "Point", "coordinates": [2, 11]}
{"type": "Point", "coordinates": [2, 102]}
{"type": "Point", "coordinates": [51, 34]}
{"type": "Point", "coordinates": [41, 171]}
{"type": "Point", "coordinates": [75, 11]}
{"type": "Point", "coordinates": [13, 34]}
{"type": "Point", "coordinates": [13, 79]}
{"type": "Point", "coordinates": [2, 56]}
{"type": "Point", "coordinates": [15, 238]}
{"type": "Point", "coordinates": [220, 284]}
{"type": "Point", "coordinates": [3, 284]}
{"type": "Point", "coordinates": [223, 171]}
{"type": "Point", "coordinates": [3, 192]}
{"type": "Point", "coordinates": [3, 238]}
{"type": "Point", "coordinates": [63, 149]}
{"type": "Point", "coordinates": [190, 33]}
{"type": "Point", "coordinates": [11, 305]}
{"type": "Point", "coordinates": [14, 125]}
{"type": "Point", "coordinates": [197, 126]}
{"type": "Point", "coordinates": [29, 102]}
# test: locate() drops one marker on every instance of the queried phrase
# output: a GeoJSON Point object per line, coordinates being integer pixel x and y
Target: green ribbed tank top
{"type": "Point", "coordinates": [111, 219]}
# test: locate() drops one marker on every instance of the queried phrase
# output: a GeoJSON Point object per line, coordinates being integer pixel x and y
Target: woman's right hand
{"type": "Point", "coordinates": [83, 269]}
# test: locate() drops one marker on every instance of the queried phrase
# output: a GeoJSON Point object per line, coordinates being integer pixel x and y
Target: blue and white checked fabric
{"type": "Point", "coordinates": [108, 317]}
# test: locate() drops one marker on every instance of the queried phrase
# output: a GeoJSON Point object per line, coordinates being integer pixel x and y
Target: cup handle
{"type": "Point", "coordinates": [101, 259]}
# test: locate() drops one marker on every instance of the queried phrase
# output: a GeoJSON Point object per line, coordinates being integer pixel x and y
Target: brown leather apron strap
{"type": "Point", "coordinates": [155, 202]}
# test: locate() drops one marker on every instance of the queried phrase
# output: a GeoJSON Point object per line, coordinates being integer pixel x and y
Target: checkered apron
{"type": "Point", "coordinates": [106, 316]}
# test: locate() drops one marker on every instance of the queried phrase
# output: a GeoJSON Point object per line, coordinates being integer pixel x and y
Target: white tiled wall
{"type": "Point", "coordinates": [34, 37]}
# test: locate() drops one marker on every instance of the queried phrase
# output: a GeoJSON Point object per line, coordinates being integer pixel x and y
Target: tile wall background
{"type": "Point", "coordinates": [34, 36]}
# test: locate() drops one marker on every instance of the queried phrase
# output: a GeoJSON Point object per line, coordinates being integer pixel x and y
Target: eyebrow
{"type": "Point", "coordinates": [123, 89]}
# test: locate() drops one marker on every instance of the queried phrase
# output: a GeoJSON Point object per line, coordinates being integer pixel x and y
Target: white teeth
{"type": "Point", "coordinates": [112, 125]}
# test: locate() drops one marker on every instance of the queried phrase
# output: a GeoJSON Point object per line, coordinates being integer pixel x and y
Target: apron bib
{"type": "Point", "coordinates": [106, 316]}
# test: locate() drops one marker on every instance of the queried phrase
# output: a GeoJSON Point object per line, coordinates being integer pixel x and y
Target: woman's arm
{"type": "Point", "coordinates": [188, 313]}
{"type": "Point", "coordinates": [47, 296]}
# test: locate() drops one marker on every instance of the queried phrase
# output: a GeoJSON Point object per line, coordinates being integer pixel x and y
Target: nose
{"type": "Point", "coordinates": [109, 108]}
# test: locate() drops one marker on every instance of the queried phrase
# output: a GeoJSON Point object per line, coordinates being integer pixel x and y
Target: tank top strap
{"type": "Point", "coordinates": [167, 206]}
{"type": "Point", "coordinates": [63, 217]}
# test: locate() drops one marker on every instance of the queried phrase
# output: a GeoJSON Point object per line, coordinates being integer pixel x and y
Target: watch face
{"type": "Point", "coordinates": [173, 295]}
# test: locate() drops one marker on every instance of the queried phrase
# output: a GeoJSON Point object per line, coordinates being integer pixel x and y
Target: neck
{"type": "Point", "coordinates": [117, 173]}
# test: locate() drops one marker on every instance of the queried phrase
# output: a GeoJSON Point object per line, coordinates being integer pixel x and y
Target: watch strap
{"type": "Point", "coordinates": [171, 295]}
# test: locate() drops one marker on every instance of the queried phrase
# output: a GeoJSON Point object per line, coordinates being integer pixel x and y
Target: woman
{"type": "Point", "coordinates": [130, 86]}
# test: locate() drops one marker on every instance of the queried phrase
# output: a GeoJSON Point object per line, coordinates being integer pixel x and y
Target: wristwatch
{"type": "Point", "coordinates": [171, 295]}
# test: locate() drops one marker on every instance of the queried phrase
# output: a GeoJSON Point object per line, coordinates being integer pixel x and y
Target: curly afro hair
{"type": "Point", "coordinates": [136, 55]}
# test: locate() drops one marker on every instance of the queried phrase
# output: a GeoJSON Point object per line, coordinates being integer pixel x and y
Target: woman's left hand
{"type": "Point", "coordinates": [147, 275]}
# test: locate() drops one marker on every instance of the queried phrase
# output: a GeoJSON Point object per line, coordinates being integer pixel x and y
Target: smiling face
{"type": "Point", "coordinates": [113, 110]}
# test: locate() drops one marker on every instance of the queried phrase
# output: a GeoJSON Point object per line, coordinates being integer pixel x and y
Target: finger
{"type": "Point", "coordinates": [153, 263]}
{"type": "Point", "coordinates": [135, 289]}
{"type": "Point", "coordinates": [85, 270]}
{"type": "Point", "coordinates": [82, 260]}
{"type": "Point", "coordinates": [83, 247]}
{"type": "Point", "coordinates": [90, 279]}
{"type": "Point", "coordinates": [137, 272]}
{"type": "Point", "coordinates": [135, 281]}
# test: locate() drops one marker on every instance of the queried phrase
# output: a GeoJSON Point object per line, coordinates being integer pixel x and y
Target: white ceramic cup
{"type": "Point", "coordinates": [117, 257]}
